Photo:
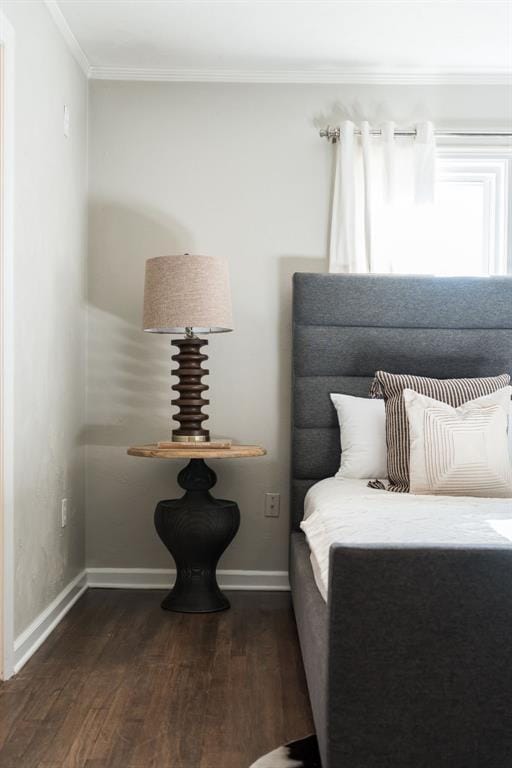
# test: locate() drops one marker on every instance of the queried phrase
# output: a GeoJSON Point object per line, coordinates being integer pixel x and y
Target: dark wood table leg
{"type": "Point", "coordinates": [196, 530]}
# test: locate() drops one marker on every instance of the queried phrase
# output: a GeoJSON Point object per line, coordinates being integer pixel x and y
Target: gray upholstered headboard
{"type": "Point", "coordinates": [345, 327]}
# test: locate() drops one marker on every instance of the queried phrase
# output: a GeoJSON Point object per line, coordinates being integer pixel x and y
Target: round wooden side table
{"type": "Point", "coordinates": [197, 528]}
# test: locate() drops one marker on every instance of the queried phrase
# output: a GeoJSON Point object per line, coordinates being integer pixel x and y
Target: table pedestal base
{"type": "Point", "coordinates": [196, 530]}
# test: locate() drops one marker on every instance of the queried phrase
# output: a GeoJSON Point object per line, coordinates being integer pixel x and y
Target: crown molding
{"type": "Point", "coordinates": [67, 34]}
{"type": "Point", "coordinates": [324, 76]}
{"type": "Point", "coordinates": [349, 76]}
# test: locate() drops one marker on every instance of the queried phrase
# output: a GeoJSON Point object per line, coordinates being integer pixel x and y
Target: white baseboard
{"type": "Point", "coordinates": [27, 643]}
{"type": "Point", "coordinates": [36, 633]}
{"type": "Point", "coordinates": [163, 578]}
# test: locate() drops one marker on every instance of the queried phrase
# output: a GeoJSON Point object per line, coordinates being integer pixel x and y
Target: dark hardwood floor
{"type": "Point", "coordinates": [122, 684]}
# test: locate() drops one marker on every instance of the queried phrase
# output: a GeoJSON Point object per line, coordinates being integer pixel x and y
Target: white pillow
{"type": "Point", "coordinates": [362, 437]}
{"type": "Point", "coordinates": [460, 451]}
{"type": "Point", "coordinates": [510, 431]}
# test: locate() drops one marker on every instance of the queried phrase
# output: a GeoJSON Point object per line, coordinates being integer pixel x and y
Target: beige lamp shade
{"type": "Point", "coordinates": [183, 292]}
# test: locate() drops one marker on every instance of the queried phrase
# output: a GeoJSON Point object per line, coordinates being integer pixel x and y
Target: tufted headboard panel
{"type": "Point", "coordinates": [345, 327]}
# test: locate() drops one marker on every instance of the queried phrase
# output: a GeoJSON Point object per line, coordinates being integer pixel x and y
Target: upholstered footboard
{"type": "Point", "coordinates": [412, 667]}
{"type": "Point", "coordinates": [312, 625]}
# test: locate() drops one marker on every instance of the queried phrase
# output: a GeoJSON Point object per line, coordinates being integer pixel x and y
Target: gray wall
{"type": "Point", "coordinates": [49, 285]}
{"type": "Point", "coordinates": [236, 170]}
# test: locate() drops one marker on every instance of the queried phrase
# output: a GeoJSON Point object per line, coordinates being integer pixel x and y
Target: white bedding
{"type": "Point", "coordinates": [347, 512]}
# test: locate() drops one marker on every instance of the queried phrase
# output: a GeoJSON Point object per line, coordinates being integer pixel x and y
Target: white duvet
{"type": "Point", "coordinates": [347, 512]}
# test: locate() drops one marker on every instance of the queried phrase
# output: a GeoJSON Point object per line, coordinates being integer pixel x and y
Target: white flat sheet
{"type": "Point", "coordinates": [347, 512]}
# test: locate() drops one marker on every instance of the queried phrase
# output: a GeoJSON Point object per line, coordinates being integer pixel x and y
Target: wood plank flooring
{"type": "Point", "coordinates": [123, 684]}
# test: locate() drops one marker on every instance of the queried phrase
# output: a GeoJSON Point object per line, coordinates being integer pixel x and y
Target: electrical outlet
{"type": "Point", "coordinates": [272, 501]}
{"type": "Point", "coordinates": [63, 513]}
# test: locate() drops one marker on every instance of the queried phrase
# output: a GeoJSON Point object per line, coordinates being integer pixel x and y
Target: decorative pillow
{"type": "Point", "coordinates": [510, 431]}
{"type": "Point", "coordinates": [460, 451]}
{"type": "Point", "coordinates": [454, 392]}
{"type": "Point", "coordinates": [362, 436]}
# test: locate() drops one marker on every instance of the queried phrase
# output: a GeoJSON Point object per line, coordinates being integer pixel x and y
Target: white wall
{"type": "Point", "coordinates": [49, 274]}
{"type": "Point", "coordinates": [237, 170]}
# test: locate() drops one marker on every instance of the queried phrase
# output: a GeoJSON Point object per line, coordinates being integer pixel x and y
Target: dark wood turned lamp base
{"type": "Point", "coordinates": [190, 390]}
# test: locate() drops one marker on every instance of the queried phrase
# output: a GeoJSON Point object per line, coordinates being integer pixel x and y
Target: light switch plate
{"type": "Point", "coordinates": [66, 121]}
{"type": "Point", "coordinates": [63, 513]}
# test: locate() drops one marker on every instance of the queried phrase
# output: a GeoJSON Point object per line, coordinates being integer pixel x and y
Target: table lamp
{"type": "Point", "coordinates": [188, 295]}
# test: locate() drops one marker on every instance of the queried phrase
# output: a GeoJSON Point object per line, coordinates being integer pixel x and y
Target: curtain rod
{"type": "Point", "coordinates": [333, 134]}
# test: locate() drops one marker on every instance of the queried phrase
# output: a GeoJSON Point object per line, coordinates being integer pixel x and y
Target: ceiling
{"type": "Point", "coordinates": [286, 41]}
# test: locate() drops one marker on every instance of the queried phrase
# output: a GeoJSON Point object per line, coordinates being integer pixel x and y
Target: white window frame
{"type": "Point", "coordinates": [491, 167]}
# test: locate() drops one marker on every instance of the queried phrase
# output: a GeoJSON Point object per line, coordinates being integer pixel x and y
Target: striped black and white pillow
{"type": "Point", "coordinates": [390, 386]}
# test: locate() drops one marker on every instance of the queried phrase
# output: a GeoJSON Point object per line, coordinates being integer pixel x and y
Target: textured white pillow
{"type": "Point", "coordinates": [362, 437]}
{"type": "Point", "coordinates": [460, 451]}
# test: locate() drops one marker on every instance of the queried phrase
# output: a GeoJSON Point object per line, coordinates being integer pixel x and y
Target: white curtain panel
{"type": "Point", "coordinates": [342, 242]}
{"type": "Point", "coordinates": [378, 179]}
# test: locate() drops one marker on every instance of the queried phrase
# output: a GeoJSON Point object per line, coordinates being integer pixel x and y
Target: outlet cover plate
{"type": "Point", "coordinates": [272, 504]}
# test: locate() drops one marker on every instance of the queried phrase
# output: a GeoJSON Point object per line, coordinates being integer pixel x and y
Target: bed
{"type": "Point", "coordinates": [408, 661]}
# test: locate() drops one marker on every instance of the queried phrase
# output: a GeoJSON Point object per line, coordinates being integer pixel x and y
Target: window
{"type": "Point", "coordinates": [467, 231]}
